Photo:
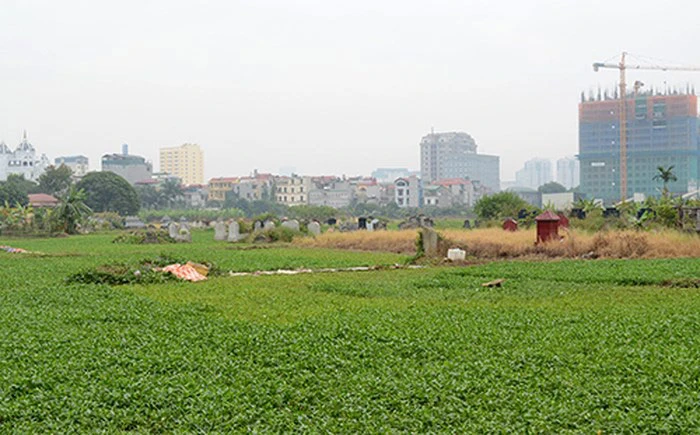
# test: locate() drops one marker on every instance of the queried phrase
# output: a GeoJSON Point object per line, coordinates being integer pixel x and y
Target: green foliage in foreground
{"type": "Point", "coordinates": [569, 346]}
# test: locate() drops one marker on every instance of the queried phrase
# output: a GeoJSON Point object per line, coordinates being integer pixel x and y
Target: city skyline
{"type": "Point", "coordinates": [296, 85]}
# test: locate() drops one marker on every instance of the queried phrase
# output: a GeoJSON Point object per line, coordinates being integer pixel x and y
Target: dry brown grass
{"type": "Point", "coordinates": [403, 241]}
{"type": "Point", "coordinates": [496, 243]}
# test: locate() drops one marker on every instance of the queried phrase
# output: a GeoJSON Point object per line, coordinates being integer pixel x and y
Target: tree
{"type": "Point", "coordinates": [171, 191]}
{"type": "Point", "coordinates": [151, 198]}
{"type": "Point", "coordinates": [72, 210]}
{"type": "Point", "coordinates": [107, 191]}
{"type": "Point", "coordinates": [551, 187]}
{"type": "Point", "coordinates": [665, 175]}
{"type": "Point", "coordinates": [55, 180]}
{"type": "Point", "coordinates": [499, 206]}
{"type": "Point", "coordinates": [12, 196]}
{"type": "Point", "coordinates": [587, 205]}
{"type": "Point", "coordinates": [15, 190]}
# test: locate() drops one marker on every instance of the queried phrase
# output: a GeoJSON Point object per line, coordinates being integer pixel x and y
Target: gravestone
{"type": "Point", "coordinates": [165, 220]}
{"type": "Point", "coordinates": [173, 229]}
{"type": "Point", "coordinates": [220, 231]}
{"type": "Point", "coordinates": [257, 226]}
{"type": "Point", "coordinates": [268, 226]}
{"type": "Point", "coordinates": [314, 228]}
{"type": "Point", "coordinates": [183, 234]}
{"type": "Point", "coordinates": [370, 225]}
{"type": "Point", "coordinates": [233, 232]}
{"type": "Point", "coordinates": [467, 225]}
{"type": "Point", "coordinates": [430, 241]}
{"type": "Point", "coordinates": [292, 225]}
{"type": "Point", "coordinates": [362, 223]}
{"type": "Point", "coordinates": [133, 222]}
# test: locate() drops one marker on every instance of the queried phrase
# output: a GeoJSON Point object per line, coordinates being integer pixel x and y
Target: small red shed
{"type": "Point", "coordinates": [563, 220]}
{"type": "Point", "coordinates": [510, 224]}
{"type": "Point", "coordinates": [547, 227]}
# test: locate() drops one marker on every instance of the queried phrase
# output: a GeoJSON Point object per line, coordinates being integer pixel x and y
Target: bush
{"type": "Point", "coordinates": [147, 237]}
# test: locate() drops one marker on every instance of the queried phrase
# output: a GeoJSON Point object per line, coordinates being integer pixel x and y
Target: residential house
{"type": "Point", "coordinates": [408, 192]}
{"type": "Point", "coordinates": [293, 190]}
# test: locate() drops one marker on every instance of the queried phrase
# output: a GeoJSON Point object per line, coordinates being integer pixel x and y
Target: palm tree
{"type": "Point", "coordinates": [171, 191]}
{"type": "Point", "coordinates": [665, 175]}
{"type": "Point", "coordinates": [72, 209]}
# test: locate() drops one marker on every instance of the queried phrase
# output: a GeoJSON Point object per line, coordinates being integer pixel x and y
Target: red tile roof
{"type": "Point", "coordinates": [42, 200]}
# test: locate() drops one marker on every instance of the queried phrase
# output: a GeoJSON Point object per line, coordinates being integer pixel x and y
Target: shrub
{"type": "Point", "coordinates": [147, 237]}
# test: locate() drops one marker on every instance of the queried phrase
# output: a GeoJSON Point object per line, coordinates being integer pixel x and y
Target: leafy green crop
{"type": "Point", "coordinates": [565, 346]}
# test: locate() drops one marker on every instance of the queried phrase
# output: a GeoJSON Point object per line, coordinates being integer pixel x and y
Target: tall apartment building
{"type": "Point", "coordinates": [568, 172]}
{"type": "Point", "coordinates": [453, 155]}
{"type": "Point", "coordinates": [535, 173]}
{"type": "Point", "coordinates": [662, 130]}
{"type": "Point", "coordinates": [185, 162]}
{"type": "Point", "coordinates": [78, 164]}
{"type": "Point", "coordinates": [128, 166]}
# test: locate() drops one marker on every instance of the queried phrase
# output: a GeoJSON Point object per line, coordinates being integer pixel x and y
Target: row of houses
{"type": "Point", "coordinates": [338, 192]}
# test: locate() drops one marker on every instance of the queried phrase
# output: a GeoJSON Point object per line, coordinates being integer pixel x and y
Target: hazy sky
{"type": "Point", "coordinates": [324, 86]}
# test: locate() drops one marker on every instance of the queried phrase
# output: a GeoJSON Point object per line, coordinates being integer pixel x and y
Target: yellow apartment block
{"type": "Point", "coordinates": [218, 187]}
{"type": "Point", "coordinates": [185, 162]}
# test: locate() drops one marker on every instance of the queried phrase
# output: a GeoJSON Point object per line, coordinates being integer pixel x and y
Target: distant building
{"type": "Point", "coordinates": [336, 194]}
{"type": "Point", "coordinates": [78, 164]}
{"type": "Point", "coordinates": [195, 195]}
{"type": "Point", "coordinates": [369, 190]}
{"type": "Point", "coordinates": [534, 174]}
{"type": "Point", "coordinates": [22, 161]}
{"type": "Point", "coordinates": [388, 175]}
{"type": "Point", "coordinates": [130, 167]}
{"type": "Point", "coordinates": [435, 195]}
{"type": "Point", "coordinates": [218, 187]}
{"type": "Point", "coordinates": [531, 196]}
{"type": "Point", "coordinates": [461, 191]}
{"type": "Point", "coordinates": [561, 201]}
{"type": "Point", "coordinates": [293, 190]}
{"type": "Point", "coordinates": [568, 172]}
{"type": "Point", "coordinates": [185, 162]}
{"type": "Point", "coordinates": [255, 187]}
{"type": "Point", "coordinates": [662, 130]}
{"type": "Point", "coordinates": [453, 155]}
{"type": "Point", "coordinates": [408, 192]}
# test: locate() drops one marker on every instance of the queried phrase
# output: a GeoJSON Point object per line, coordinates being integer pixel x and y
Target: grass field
{"type": "Point", "coordinates": [563, 346]}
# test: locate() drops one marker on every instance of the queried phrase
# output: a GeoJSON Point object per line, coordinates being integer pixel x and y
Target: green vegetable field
{"type": "Point", "coordinates": [564, 346]}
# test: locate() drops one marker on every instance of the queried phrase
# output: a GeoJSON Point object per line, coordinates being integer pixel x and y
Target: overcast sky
{"type": "Point", "coordinates": [324, 86]}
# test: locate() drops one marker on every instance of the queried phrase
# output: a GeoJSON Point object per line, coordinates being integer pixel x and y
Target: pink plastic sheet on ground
{"type": "Point", "coordinates": [185, 271]}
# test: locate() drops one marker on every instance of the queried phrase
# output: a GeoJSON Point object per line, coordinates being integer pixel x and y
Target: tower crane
{"type": "Point", "coordinates": [623, 66]}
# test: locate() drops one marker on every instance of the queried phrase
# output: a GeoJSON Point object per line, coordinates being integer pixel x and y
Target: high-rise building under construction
{"type": "Point", "coordinates": [662, 130]}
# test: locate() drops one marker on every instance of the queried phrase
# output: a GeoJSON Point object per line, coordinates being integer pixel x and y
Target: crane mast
{"type": "Point", "coordinates": [623, 67]}
{"type": "Point", "coordinates": [623, 129]}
